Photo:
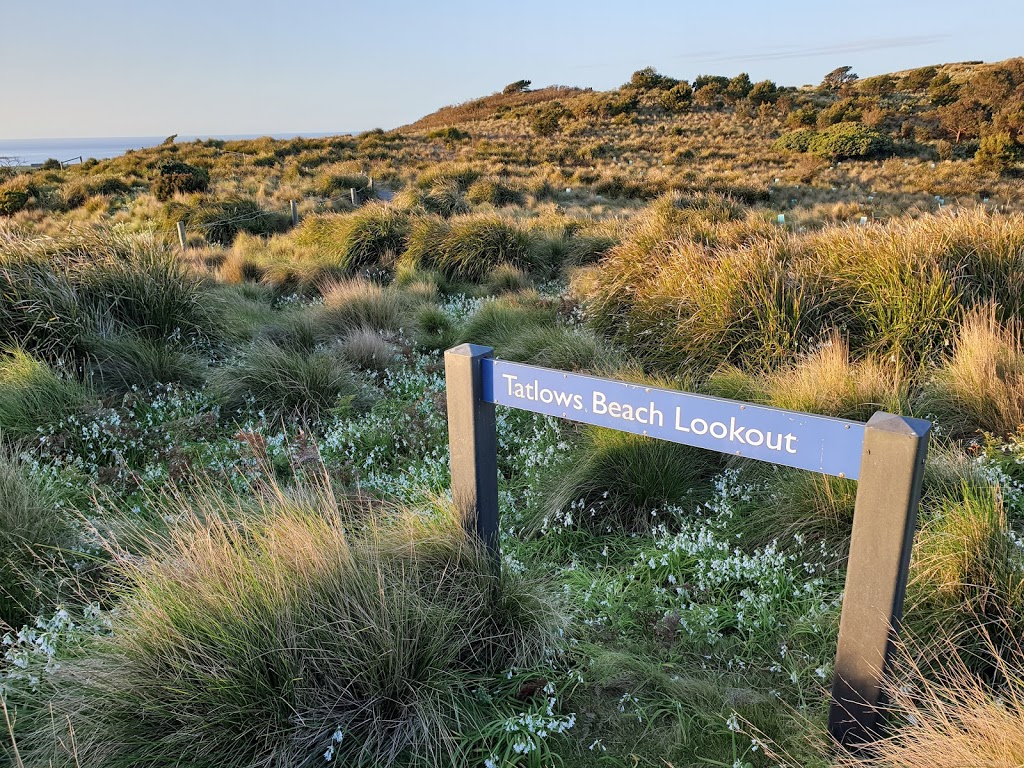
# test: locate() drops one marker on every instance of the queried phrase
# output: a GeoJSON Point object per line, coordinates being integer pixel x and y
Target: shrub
{"type": "Point", "coordinates": [796, 141]}
{"type": "Point", "coordinates": [434, 329]}
{"type": "Point", "coordinates": [547, 120]}
{"type": "Point", "coordinates": [370, 237]}
{"type": "Point", "coordinates": [33, 531]}
{"type": "Point", "coordinates": [177, 177]}
{"type": "Point", "coordinates": [849, 140]}
{"type": "Point", "coordinates": [33, 395]}
{"type": "Point", "coordinates": [474, 245]}
{"type": "Point", "coordinates": [519, 86]}
{"type": "Point", "coordinates": [981, 386]}
{"type": "Point", "coordinates": [307, 629]}
{"type": "Point", "coordinates": [13, 199]}
{"type": "Point", "coordinates": [997, 152]}
{"type": "Point", "coordinates": [501, 323]}
{"type": "Point", "coordinates": [677, 98]}
{"type": "Point", "coordinates": [967, 580]}
{"type": "Point", "coordinates": [505, 278]}
{"type": "Point", "coordinates": [615, 480]}
{"type": "Point", "coordinates": [285, 383]}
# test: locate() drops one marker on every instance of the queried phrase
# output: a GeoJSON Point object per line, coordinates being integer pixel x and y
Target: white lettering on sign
{"type": "Point", "coordinates": [534, 392]}
{"type": "Point", "coordinates": [734, 433]}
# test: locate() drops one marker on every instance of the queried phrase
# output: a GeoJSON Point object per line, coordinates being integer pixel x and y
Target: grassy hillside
{"type": "Point", "coordinates": [226, 531]}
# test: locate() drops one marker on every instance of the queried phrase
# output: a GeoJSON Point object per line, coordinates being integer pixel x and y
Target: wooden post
{"type": "Point", "coordinates": [352, 193]}
{"type": "Point", "coordinates": [473, 438]}
{"type": "Point", "coordinates": [295, 212]}
{"type": "Point", "coordinates": [371, 183]}
{"type": "Point", "coordinates": [892, 467]}
{"type": "Point", "coordinates": [181, 236]}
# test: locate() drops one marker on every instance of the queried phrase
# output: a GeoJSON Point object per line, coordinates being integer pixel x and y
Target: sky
{"type": "Point", "coordinates": [203, 67]}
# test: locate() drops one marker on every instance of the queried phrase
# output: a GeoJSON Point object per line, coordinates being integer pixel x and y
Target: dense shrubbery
{"type": "Point", "coordinates": [176, 177]}
{"type": "Point", "coordinates": [841, 141]}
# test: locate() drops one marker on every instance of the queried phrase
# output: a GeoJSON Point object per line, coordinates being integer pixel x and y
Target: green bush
{"type": "Point", "coordinates": [849, 140]}
{"type": "Point", "coordinates": [474, 245]}
{"type": "Point", "coordinates": [13, 199]}
{"type": "Point", "coordinates": [176, 177]}
{"type": "Point", "coordinates": [796, 141]}
{"type": "Point", "coordinates": [306, 633]}
{"type": "Point", "coordinates": [354, 304]}
{"type": "Point", "coordinates": [997, 152]}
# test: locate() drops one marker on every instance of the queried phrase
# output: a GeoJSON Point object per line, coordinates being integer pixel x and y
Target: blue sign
{"type": "Point", "coordinates": [802, 440]}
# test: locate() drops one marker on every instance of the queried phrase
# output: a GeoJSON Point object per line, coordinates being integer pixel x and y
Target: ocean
{"type": "Point", "coordinates": [36, 151]}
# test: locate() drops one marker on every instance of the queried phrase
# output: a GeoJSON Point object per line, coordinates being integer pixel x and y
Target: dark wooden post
{"type": "Point", "coordinates": [884, 519]}
{"type": "Point", "coordinates": [295, 212]}
{"type": "Point", "coordinates": [473, 438]}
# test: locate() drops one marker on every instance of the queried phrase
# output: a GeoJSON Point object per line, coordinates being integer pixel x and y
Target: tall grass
{"type": "Point", "coordinates": [288, 383]}
{"type": "Point", "coordinates": [372, 236]}
{"type": "Point", "coordinates": [309, 627]}
{"type": "Point", "coordinates": [981, 385]}
{"type": "Point", "coordinates": [619, 482]}
{"type": "Point", "coordinates": [33, 531]}
{"type": "Point", "coordinates": [33, 395]}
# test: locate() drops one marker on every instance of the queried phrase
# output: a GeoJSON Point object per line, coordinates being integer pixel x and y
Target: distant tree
{"type": "Point", "coordinates": [763, 92]}
{"type": "Point", "coordinates": [962, 119]}
{"type": "Point", "coordinates": [918, 79]}
{"type": "Point", "coordinates": [547, 120]}
{"type": "Point", "coordinates": [709, 95]}
{"type": "Point", "coordinates": [738, 87]}
{"type": "Point", "coordinates": [993, 86]}
{"type": "Point", "coordinates": [1011, 117]}
{"type": "Point", "coordinates": [519, 86]}
{"type": "Point", "coordinates": [997, 152]}
{"type": "Point", "coordinates": [677, 98]}
{"type": "Point", "coordinates": [176, 176]}
{"type": "Point", "coordinates": [169, 140]}
{"type": "Point", "coordinates": [837, 78]}
{"type": "Point", "coordinates": [51, 164]}
{"type": "Point", "coordinates": [717, 80]}
{"type": "Point", "coordinates": [649, 79]}
{"type": "Point", "coordinates": [942, 90]}
{"type": "Point", "coordinates": [802, 116]}
{"type": "Point", "coordinates": [843, 111]}
{"type": "Point", "coordinates": [881, 85]}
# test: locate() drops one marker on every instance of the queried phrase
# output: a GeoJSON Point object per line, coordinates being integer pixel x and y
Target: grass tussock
{"type": "Point", "coordinates": [287, 383]}
{"type": "Point", "coordinates": [371, 237]}
{"type": "Point", "coordinates": [34, 395]}
{"type": "Point", "coordinates": [309, 627]}
{"type": "Point", "coordinates": [356, 303]}
{"type": "Point", "coordinates": [33, 532]}
{"type": "Point", "coordinates": [618, 481]}
{"type": "Point", "coordinates": [981, 385]}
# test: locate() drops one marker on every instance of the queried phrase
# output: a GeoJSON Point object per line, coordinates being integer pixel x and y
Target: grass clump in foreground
{"type": "Point", "coordinates": [308, 631]}
{"type": "Point", "coordinates": [32, 533]}
{"type": "Point", "coordinates": [33, 395]}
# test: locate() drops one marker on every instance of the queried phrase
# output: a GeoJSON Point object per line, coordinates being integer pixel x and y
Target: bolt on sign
{"type": "Point", "coordinates": [886, 456]}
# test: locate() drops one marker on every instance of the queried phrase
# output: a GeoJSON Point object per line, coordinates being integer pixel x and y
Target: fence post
{"type": "Point", "coordinates": [370, 178]}
{"type": "Point", "coordinates": [352, 193]}
{"type": "Point", "coordinates": [473, 439]}
{"type": "Point", "coordinates": [181, 236]}
{"type": "Point", "coordinates": [295, 212]}
{"type": "Point", "coordinates": [885, 515]}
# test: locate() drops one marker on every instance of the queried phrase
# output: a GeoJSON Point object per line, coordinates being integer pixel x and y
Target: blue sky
{"type": "Point", "coordinates": [136, 68]}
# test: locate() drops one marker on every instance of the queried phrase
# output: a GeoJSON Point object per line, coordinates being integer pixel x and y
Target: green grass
{"type": "Point", "coordinates": [33, 533]}
{"type": "Point", "coordinates": [371, 237]}
{"type": "Point", "coordinates": [34, 395]}
{"type": "Point", "coordinates": [287, 383]}
{"type": "Point", "coordinates": [125, 363]}
{"type": "Point", "coordinates": [618, 481]}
